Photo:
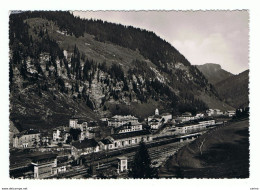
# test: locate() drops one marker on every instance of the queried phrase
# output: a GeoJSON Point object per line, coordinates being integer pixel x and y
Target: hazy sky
{"type": "Point", "coordinates": [201, 36]}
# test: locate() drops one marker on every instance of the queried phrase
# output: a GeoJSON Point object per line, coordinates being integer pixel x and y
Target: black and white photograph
{"type": "Point", "coordinates": [129, 95]}
{"type": "Point", "coordinates": [138, 94]}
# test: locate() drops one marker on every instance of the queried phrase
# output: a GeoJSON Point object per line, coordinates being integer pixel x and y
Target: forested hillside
{"type": "Point", "coordinates": [61, 66]}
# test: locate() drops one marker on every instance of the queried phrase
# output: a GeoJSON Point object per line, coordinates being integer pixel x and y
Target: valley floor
{"type": "Point", "coordinates": [223, 152]}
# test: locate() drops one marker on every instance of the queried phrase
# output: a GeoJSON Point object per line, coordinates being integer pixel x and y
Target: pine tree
{"type": "Point", "coordinates": [142, 164]}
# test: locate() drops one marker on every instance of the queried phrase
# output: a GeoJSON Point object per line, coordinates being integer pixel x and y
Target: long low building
{"type": "Point", "coordinates": [119, 120]}
{"type": "Point", "coordinates": [128, 139]}
{"type": "Point", "coordinates": [128, 127]}
{"type": "Point", "coordinates": [193, 127]}
{"type": "Point", "coordinates": [112, 142]}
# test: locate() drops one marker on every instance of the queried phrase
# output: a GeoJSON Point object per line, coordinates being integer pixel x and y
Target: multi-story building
{"type": "Point", "coordinates": [26, 139]}
{"type": "Point", "coordinates": [60, 134]}
{"type": "Point", "coordinates": [128, 127]}
{"type": "Point", "coordinates": [214, 112]}
{"type": "Point", "coordinates": [157, 120]}
{"type": "Point", "coordinates": [86, 146]}
{"type": "Point", "coordinates": [44, 165]}
{"type": "Point", "coordinates": [119, 120]}
{"type": "Point", "coordinates": [129, 139]}
{"type": "Point", "coordinates": [87, 131]}
{"type": "Point", "coordinates": [184, 128]}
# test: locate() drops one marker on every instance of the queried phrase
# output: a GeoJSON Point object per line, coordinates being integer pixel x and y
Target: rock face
{"type": "Point", "coordinates": [62, 66]}
{"type": "Point", "coordinates": [213, 72]}
{"type": "Point", "coordinates": [234, 90]}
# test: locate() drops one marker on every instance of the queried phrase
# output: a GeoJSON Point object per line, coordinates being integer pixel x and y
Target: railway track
{"type": "Point", "coordinates": [159, 150]}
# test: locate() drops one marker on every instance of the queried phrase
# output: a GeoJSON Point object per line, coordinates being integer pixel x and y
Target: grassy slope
{"type": "Point", "coordinates": [235, 89]}
{"type": "Point", "coordinates": [214, 103]}
{"type": "Point", "coordinates": [225, 154]}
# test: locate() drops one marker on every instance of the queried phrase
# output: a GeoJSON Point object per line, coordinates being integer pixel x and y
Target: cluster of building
{"type": "Point", "coordinates": [126, 131]}
{"type": "Point", "coordinates": [217, 112]}
{"type": "Point", "coordinates": [157, 120]}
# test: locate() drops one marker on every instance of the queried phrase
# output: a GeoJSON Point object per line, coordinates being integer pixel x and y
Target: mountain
{"type": "Point", "coordinates": [213, 72]}
{"type": "Point", "coordinates": [234, 90]}
{"type": "Point", "coordinates": [61, 65]}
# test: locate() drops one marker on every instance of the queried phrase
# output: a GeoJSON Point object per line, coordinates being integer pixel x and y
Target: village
{"type": "Point", "coordinates": [78, 149]}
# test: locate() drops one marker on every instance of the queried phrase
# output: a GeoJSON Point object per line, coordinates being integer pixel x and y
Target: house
{"type": "Point", "coordinates": [86, 146]}
{"type": "Point", "coordinates": [73, 123]}
{"type": "Point", "coordinates": [87, 129]}
{"type": "Point", "coordinates": [128, 127]}
{"type": "Point", "coordinates": [119, 120]}
{"type": "Point", "coordinates": [230, 113]}
{"type": "Point", "coordinates": [26, 139]}
{"type": "Point", "coordinates": [106, 143]}
{"type": "Point", "coordinates": [214, 112]}
{"type": "Point", "coordinates": [154, 124]}
{"type": "Point", "coordinates": [60, 135]}
{"type": "Point", "coordinates": [43, 165]}
{"type": "Point", "coordinates": [157, 120]}
{"type": "Point", "coordinates": [199, 116]}
{"type": "Point", "coordinates": [185, 117]}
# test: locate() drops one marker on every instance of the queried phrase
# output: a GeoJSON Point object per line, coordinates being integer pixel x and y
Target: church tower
{"type": "Point", "coordinates": [156, 111]}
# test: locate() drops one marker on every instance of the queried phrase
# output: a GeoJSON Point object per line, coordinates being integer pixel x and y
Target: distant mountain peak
{"type": "Point", "coordinates": [214, 72]}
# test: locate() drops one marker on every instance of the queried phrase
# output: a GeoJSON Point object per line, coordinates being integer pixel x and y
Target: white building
{"type": "Point", "coordinates": [128, 127]}
{"type": "Point", "coordinates": [156, 120]}
{"type": "Point", "coordinates": [26, 139]}
{"type": "Point", "coordinates": [60, 135]}
{"type": "Point", "coordinates": [231, 113]}
{"type": "Point", "coordinates": [119, 120]}
{"type": "Point", "coordinates": [122, 164]}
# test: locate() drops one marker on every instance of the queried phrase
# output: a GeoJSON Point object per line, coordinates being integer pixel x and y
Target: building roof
{"type": "Point", "coordinates": [87, 143]}
{"type": "Point", "coordinates": [186, 124]}
{"type": "Point", "coordinates": [82, 121]}
{"type": "Point", "coordinates": [125, 126]}
{"type": "Point", "coordinates": [122, 158]}
{"type": "Point", "coordinates": [164, 114]}
{"type": "Point", "coordinates": [187, 114]}
{"type": "Point", "coordinates": [43, 157]}
{"type": "Point", "coordinates": [130, 134]}
{"type": "Point", "coordinates": [154, 120]}
{"type": "Point", "coordinates": [106, 141]}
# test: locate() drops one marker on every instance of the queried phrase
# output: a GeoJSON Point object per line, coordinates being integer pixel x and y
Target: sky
{"type": "Point", "coordinates": [201, 36]}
